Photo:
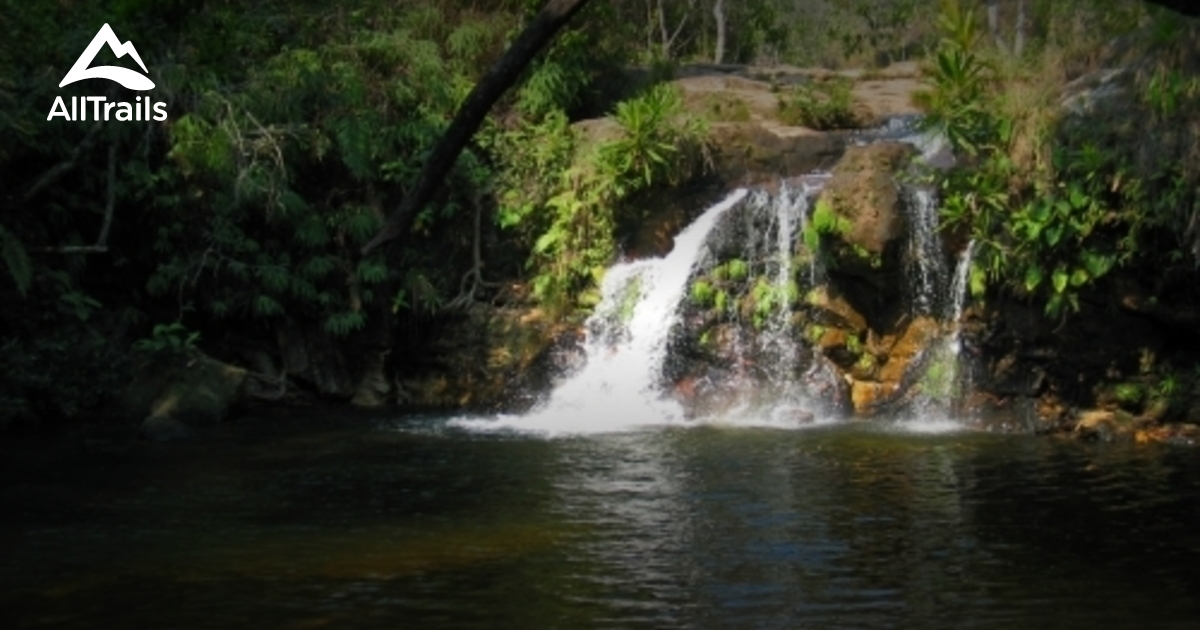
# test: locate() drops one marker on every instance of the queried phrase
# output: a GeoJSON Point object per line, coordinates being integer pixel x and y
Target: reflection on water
{"type": "Point", "coordinates": [346, 524]}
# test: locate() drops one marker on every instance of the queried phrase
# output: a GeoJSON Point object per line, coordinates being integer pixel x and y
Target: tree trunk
{"type": "Point", "coordinates": [719, 14]}
{"type": "Point", "coordinates": [993, 18]}
{"type": "Point", "coordinates": [1019, 38]}
{"type": "Point", "coordinates": [553, 16]}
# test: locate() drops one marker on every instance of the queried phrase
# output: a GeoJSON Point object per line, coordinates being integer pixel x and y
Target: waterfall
{"type": "Point", "coordinates": [618, 387]}
{"type": "Point", "coordinates": [947, 378]}
{"type": "Point", "coordinates": [927, 268]}
{"type": "Point", "coordinates": [958, 295]}
{"type": "Point", "coordinates": [780, 338]}
{"type": "Point", "coordinates": [792, 210]}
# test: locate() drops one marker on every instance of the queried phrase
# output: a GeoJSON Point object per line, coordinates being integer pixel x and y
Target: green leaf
{"type": "Point", "coordinates": [1033, 277]}
{"type": "Point", "coordinates": [1078, 199]}
{"type": "Point", "coordinates": [372, 271]}
{"type": "Point", "coordinates": [1079, 277]}
{"type": "Point", "coordinates": [16, 259]}
{"type": "Point", "coordinates": [265, 306]}
{"type": "Point", "coordinates": [1097, 264]}
{"type": "Point", "coordinates": [978, 281]}
{"type": "Point", "coordinates": [1060, 278]}
{"type": "Point", "coordinates": [1054, 234]}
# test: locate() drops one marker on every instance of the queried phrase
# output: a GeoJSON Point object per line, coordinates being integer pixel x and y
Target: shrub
{"type": "Point", "coordinates": [820, 105]}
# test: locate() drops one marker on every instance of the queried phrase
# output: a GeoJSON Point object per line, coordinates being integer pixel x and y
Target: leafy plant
{"type": "Point", "coordinates": [821, 105]}
{"type": "Point", "coordinates": [825, 221]}
{"type": "Point", "coordinates": [173, 338]}
{"type": "Point", "coordinates": [956, 103]}
{"type": "Point", "coordinates": [16, 259]}
{"type": "Point", "coordinates": [572, 217]}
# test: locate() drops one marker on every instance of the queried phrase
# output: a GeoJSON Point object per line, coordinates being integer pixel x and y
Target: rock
{"type": "Point", "coordinates": [916, 337]}
{"type": "Point", "coordinates": [867, 396]}
{"type": "Point", "coordinates": [495, 359]}
{"type": "Point", "coordinates": [373, 388]}
{"type": "Point", "coordinates": [830, 308]}
{"type": "Point", "coordinates": [163, 429]}
{"type": "Point", "coordinates": [863, 191]}
{"type": "Point", "coordinates": [1175, 434]}
{"type": "Point", "coordinates": [313, 357]}
{"type": "Point", "coordinates": [1089, 92]}
{"type": "Point", "coordinates": [194, 389]}
{"type": "Point", "coordinates": [1103, 426]}
{"type": "Point", "coordinates": [757, 153]}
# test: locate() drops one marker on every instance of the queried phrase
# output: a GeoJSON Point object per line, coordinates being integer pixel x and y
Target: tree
{"type": "Point", "coordinates": [553, 16]}
{"type": "Point", "coordinates": [719, 14]}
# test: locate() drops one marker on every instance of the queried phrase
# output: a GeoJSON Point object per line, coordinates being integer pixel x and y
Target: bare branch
{"type": "Point", "coordinates": [58, 170]}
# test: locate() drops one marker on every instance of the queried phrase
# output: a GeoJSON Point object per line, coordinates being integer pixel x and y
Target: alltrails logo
{"type": "Point", "coordinates": [139, 110]}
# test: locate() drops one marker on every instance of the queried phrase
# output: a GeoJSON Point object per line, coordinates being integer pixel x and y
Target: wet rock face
{"type": "Point", "coordinates": [864, 192]}
{"type": "Point", "coordinates": [491, 359]}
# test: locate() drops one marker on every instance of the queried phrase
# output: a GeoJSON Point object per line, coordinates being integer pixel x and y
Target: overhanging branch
{"type": "Point", "coordinates": [553, 16]}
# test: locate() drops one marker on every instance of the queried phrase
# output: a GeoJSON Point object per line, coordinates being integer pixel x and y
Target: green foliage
{"type": "Point", "coordinates": [284, 173]}
{"type": "Point", "coordinates": [559, 79]}
{"type": "Point", "coordinates": [721, 107]}
{"type": "Point", "coordinates": [571, 216]}
{"type": "Point", "coordinates": [1168, 90]}
{"type": "Point", "coordinates": [57, 377]}
{"type": "Point", "coordinates": [630, 296]}
{"type": "Point", "coordinates": [658, 143]}
{"type": "Point", "coordinates": [956, 103]}
{"type": "Point", "coordinates": [1057, 203]}
{"type": "Point", "coordinates": [1130, 395]}
{"type": "Point", "coordinates": [820, 105]}
{"type": "Point", "coordinates": [939, 382]}
{"type": "Point", "coordinates": [16, 259]}
{"type": "Point", "coordinates": [767, 298]}
{"type": "Point", "coordinates": [173, 338]}
{"type": "Point", "coordinates": [825, 221]}
{"type": "Point", "coordinates": [703, 293]}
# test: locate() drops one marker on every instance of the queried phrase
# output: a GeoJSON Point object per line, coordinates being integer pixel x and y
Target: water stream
{"type": "Point", "coordinates": [618, 387]}
{"type": "Point", "coordinates": [337, 521]}
{"type": "Point", "coordinates": [927, 266]}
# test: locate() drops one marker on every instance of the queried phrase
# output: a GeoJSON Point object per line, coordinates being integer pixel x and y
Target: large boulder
{"type": "Point", "coordinates": [174, 392]}
{"type": "Point", "coordinates": [863, 191]}
{"type": "Point", "coordinates": [747, 153]}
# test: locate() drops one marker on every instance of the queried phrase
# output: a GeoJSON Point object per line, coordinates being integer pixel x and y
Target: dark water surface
{"type": "Point", "coordinates": [344, 523]}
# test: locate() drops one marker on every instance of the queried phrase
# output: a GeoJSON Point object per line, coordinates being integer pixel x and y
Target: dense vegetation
{"type": "Point", "coordinates": [295, 127]}
{"type": "Point", "coordinates": [1079, 182]}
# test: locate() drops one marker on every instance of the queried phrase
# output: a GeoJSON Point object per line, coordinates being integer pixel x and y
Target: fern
{"type": "Point", "coordinates": [16, 259]}
{"type": "Point", "coordinates": [266, 306]}
{"type": "Point", "coordinates": [342, 324]}
{"type": "Point", "coordinates": [372, 271]}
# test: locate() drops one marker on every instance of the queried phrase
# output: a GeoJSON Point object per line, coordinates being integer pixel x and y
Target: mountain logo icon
{"type": "Point", "coordinates": [124, 76]}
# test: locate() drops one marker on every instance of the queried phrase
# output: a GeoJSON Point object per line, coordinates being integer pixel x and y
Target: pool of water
{"type": "Point", "coordinates": [350, 522]}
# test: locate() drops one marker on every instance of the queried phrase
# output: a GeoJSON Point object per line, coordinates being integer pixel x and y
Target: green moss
{"type": "Point", "coordinates": [1129, 394]}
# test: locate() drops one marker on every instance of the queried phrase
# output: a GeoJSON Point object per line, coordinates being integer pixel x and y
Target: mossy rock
{"type": "Point", "coordinates": [191, 388]}
{"type": "Point", "coordinates": [864, 192]}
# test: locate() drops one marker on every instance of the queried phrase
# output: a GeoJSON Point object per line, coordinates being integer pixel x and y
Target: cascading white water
{"type": "Point", "coordinates": [945, 358]}
{"type": "Point", "coordinates": [617, 388]}
{"type": "Point", "coordinates": [958, 296]}
{"type": "Point", "coordinates": [791, 208]}
{"type": "Point", "coordinates": [925, 252]}
{"type": "Point", "coordinates": [779, 336]}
